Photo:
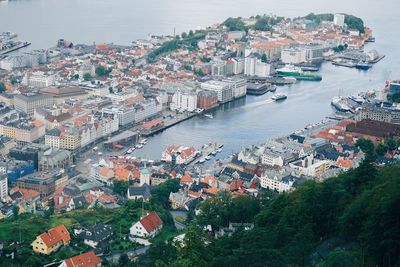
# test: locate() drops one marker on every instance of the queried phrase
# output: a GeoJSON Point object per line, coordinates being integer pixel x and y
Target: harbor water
{"type": "Point", "coordinates": [245, 121]}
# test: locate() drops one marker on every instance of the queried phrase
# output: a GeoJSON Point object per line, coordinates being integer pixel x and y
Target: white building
{"type": "Point", "coordinates": [148, 227]}
{"type": "Point", "coordinates": [3, 187]}
{"type": "Point", "coordinates": [253, 66]}
{"type": "Point", "coordinates": [223, 89]}
{"type": "Point", "coordinates": [238, 65]}
{"type": "Point", "coordinates": [147, 109]}
{"type": "Point", "coordinates": [338, 20]}
{"type": "Point", "coordinates": [292, 55]}
{"type": "Point", "coordinates": [271, 158]}
{"type": "Point", "coordinates": [238, 85]}
{"type": "Point", "coordinates": [38, 79]}
{"type": "Point", "coordinates": [185, 101]}
{"type": "Point", "coordinates": [144, 177]}
{"type": "Point", "coordinates": [280, 184]}
{"type": "Point", "coordinates": [124, 114]}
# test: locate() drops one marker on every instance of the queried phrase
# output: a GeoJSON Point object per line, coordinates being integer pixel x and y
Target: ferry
{"type": "Point", "coordinates": [362, 65]}
{"type": "Point", "coordinates": [209, 116]}
{"type": "Point", "coordinates": [278, 97]}
{"type": "Point", "coordinates": [297, 73]}
{"type": "Point", "coordinates": [340, 104]}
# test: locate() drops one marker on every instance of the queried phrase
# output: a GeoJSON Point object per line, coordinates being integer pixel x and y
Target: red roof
{"type": "Point", "coordinates": [56, 235]}
{"type": "Point", "coordinates": [151, 222]}
{"type": "Point", "coordinates": [88, 259]}
{"type": "Point", "coordinates": [151, 124]}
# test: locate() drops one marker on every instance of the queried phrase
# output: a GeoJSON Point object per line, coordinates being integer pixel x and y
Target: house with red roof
{"type": "Point", "coordinates": [51, 240]}
{"type": "Point", "coordinates": [88, 259]}
{"type": "Point", "coordinates": [148, 227]}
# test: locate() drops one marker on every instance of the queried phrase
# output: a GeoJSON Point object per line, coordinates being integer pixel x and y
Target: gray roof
{"type": "Point", "coordinates": [143, 191]}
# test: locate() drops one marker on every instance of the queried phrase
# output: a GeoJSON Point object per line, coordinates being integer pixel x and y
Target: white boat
{"type": "Point", "coordinates": [219, 150]}
{"type": "Point", "coordinates": [209, 116]}
{"type": "Point", "coordinates": [278, 97]}
{"type": "Point", "coordinates": [139, 146]}
{"type": "Point", "coordinates": [208, 158]}
{"type": "Point", "coordinates": [202, 161]}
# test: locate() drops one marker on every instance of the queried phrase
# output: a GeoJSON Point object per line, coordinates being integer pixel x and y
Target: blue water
{"type": "Point", "coordinates": [240, 123]}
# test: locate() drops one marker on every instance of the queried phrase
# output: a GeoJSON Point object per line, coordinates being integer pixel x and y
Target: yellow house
{"type": "Point", "coordinates": [51, 240]}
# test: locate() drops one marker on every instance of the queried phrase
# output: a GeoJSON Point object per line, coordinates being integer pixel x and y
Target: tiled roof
{"type": "Point", "coordinates": [88, 259]}
{"type": "Point", "coordinates": [56, 235]}
{"type": "Point", "coordinates": [151, 222]}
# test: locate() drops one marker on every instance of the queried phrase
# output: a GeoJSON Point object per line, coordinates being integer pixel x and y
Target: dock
{"type": "Point", "coordinates": [168, 124]}
{"type": "Point", "coordinates": [207, 150]}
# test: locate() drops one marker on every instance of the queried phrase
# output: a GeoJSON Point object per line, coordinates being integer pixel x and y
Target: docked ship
{"type": "Point", "coordinates": [340, 104]}
{"type": "Point", "coordinates": [9, 43]}
{"type": "Point", "coordinates": [278, 97]}
{"type": "Point", "coordinates": [260, 88]}
{"type": "Point", "coordinates": [297, 73]}
{"type": "Point", "coordinates": [362, 65]}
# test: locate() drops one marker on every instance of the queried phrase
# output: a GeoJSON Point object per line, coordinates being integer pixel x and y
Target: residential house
{"type": "Point", "coordinates": [88, 259]}
{"type": "Point", "coordinates": [148, 227]}
{"type": "Point", "coordinates": [51, 240]}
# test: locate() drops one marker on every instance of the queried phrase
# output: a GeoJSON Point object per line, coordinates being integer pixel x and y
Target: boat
{"type": "Point", "coordinates": [278, 97]}
{"type": "Point", "coordinates": [139, 146]}
{"type": "Point", "coordinates": [209, 116]}
{"type": "Point", "coordinates": [370, 39]}
{"type": "Point", "coordinates": [297, 73]}
{"type": "Point", "coordinates": [8, 43]}
{"type": "Point", "coordinates": [202, 160]}
{"type": "Point", "coordinates": [357, 99]}
{"type": "Point", "coordinates": [214, 153]}
{"type": "Point", "coordinates": [308, 67]}
{"type": "Point", "coordinates": [219, 150]}
{"type": "Point", "coordinates": [340, 104]}
{"type": "Point", "coordinates": [198, 110]}
{"type": "Point", "coordinates": [362, 65]}
{"type": "Point", "coordinates": [344, 63]}
{"type": "Point", "coordinates": [207, 158]}
{"type": "Point", "coordinates": [221, 146]}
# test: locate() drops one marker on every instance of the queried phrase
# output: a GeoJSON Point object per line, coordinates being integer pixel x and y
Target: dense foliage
{"type": "Point", "coordinates": [352, 22]}
{"type": "Point", "coordinates": [235, 24]}
{"type": "Point", "coordinates": [356, 211]}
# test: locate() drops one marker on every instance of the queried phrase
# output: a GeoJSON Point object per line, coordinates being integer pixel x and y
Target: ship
{"type": "Point", "coordinates": [278, 97]}
{"type": "Point", "coordinates": [209, 116]}
{"type": "Point", "coordinates": [362, 65]}
{"type": "Point", "coordinates": [259, 88]}
{"type": "Point", "coordinates": [8, 43]}
{"type": "Point", "coordinates": [340, 104]}
{"type": "Point", "coordinates": [297, 73]}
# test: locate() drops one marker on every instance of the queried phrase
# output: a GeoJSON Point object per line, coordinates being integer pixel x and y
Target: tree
{"type": "Point", "coordinates": [235, 24]}
{"type": "Point", "coordinates": [123, 260]}
{"type": "Point", "coordinates": [381, 149]}
{"type": "Point", "coordinates": [365, 145]}
{"type": "Point", "coordinates": [75, 76]}
{"type": "Point", "coordinates": [133, 61]}
{"type": "Point", "coordinates": [184, 35]}
{"type": "Point", "coordinates": [264, 58]}
{"type": "Point", "coordinates": [15, 211]}
{"type": "Point", "coordinates": [50, 210]}
{"type": "Point", "coordinates": [110, 90]}
{"type": "Point", "coordinates": [101, 71]}
{"type": "Point", "coordinates": [119, 89]}
{"type": "Point", "coordinates": [2, 87]}
{"type": "Point", "coordinates": [340, 257]}
{"type": "Point", "coordinates": [13, 80]}
{"type": "Point", "coordinates": [391, 144]}
{"type": "Point", "coordinates": [187, 67]}
{"type": "Point", "coordinates": [121, 187]}
{"type": "Point", "coordinates": [87, 77]}
{"type": "Point", "coordinates": [191, 33]}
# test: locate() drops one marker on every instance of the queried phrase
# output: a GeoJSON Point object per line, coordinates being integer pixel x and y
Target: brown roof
{"type": "Point", "coordinates": [151, 222]}
{"type": "Point", "coordinates": [56, 235]}
{"type": "Point", "coordinates": [88, 259]}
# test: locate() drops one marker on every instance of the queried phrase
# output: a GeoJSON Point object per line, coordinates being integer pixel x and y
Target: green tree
{"type": "Point", "coordinates": [13, 80]}
{"type": "Point", "coordinates": [101, 71]}
{"type": "Point", "coordinates": [191, 34]}
{"type": "Point", "coordinates": [381, 149]}
{"type": "Point", "coordinates": [264, 58]}
{"type": "Point", "coordinates": [2, 87]}
{"type": "Point", "coordinates": [193, 252]}
{"type": "Point", "coordinates": [110, 90]}
{"type": "Point", "coordinates": [340, 257]}
{"type": "Point", "coordinates": [75, 76]}
{"type": "Point", "coordinates": [365, 145]}
{"type": "Point", "coordinates": [15, 211]}
{"type": "Point", "coordinates": [120, 187]}
{"type": "Point", "coordinates": [187, 67]}
{"type": "Point", "coordinates": [87, 77]}
{"type": "Point", "coordinates": [184, 35]}
{"type": "Point", "coordinates": [391, 144]}
{"type": "Point", "coordinates": [123, 260]}
{"type": "Point", "coordinates": [235, 24]}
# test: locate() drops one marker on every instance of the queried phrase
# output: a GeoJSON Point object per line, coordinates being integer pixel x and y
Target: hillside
{"type": "Point", "coordinates": [351, 220]}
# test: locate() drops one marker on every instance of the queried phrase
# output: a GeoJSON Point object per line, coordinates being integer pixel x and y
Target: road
{"type": "Point", "coordinates": [130, 252]}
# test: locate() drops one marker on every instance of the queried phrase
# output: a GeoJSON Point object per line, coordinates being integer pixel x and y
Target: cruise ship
{"type": "Point", "coordinates": [278, 97]}
{"type": "Point", "coordinates": [340, 104]}
{"type": "Point", "coordinates": [298, 73]}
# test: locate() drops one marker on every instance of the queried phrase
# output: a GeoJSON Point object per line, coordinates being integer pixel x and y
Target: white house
{"type": "Point", "coordinates": [148, 227]}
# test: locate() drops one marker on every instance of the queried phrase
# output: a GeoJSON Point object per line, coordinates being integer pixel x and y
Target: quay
{"type": "Point", "coordinates": [207, 150]}
{"type": "Point", "coordinates": [19, 46]}
{"type": "Point", "coordinates": [168, 124]}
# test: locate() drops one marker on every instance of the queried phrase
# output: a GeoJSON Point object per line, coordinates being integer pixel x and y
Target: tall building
{"type": "Point", "coordinates": [3, 187]}
{"type": "Point", "coordinates": [223, 89]}
{"type": "Point", "coordinates": [338, 20]}
{"type": "Point", "coordinates": [28, 102]}
{"type": "Point", "coordinates": [207, 99]}
{"type": "Point", "coordinates": [186, 101]}
{"type": "Point", "coordinates": [253, 66]}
